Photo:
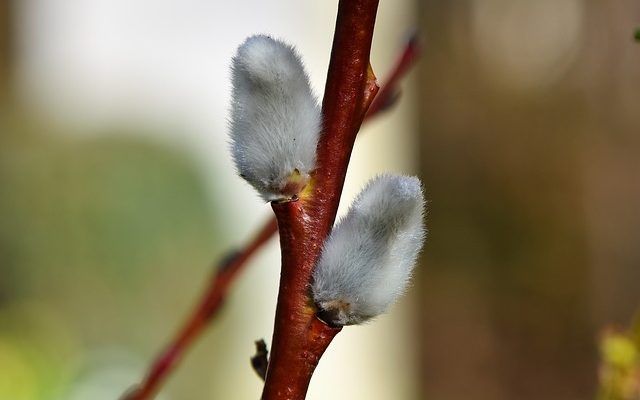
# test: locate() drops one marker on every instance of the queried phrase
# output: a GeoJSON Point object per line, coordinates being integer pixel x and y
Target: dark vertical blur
{"type": "Point", "coordinates": [96, 230]}
{"type": "Point", "coordinates": [6, 46]}
{"type": "Point", "coordinates": [6, 58]}
{"type": "Point", "coordinates": [534, 230]}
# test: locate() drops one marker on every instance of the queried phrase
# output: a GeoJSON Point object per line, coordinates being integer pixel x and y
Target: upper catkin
{"type": "Point", "coordinates": [275, 118]}
{"type": "Point", "coordinates": [366, 261]}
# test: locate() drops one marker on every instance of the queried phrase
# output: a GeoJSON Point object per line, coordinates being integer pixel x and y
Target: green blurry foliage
{"type": "Point", "coordinates": [94, 233]}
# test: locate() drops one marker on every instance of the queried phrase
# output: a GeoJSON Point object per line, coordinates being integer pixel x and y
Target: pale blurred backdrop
{"type": "Point", "coordinates": [117, 194]}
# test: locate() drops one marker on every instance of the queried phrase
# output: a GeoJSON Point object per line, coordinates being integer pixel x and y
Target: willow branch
{"type": "Point", "coordinates": [299, 338]}
{"type": "Point", "coordinates": [214, 295]}
{"type": "Point", "coordinates": [295, 348]}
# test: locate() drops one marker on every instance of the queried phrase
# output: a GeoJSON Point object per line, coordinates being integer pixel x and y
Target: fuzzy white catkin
{"type": "Point", "coordinates": [366, 261]}
{"type": "Point", "coordinates": [275, 118]}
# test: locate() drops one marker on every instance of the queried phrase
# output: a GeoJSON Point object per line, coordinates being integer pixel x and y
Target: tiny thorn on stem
{"type": "Point", "coordinates": [260, 360]}
{"type": "Point", "coordinates": [390, 91]}
{"type": "Point", "coordinates": [371, 90]}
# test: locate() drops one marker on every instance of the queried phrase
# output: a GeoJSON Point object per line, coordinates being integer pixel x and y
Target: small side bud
{"type": "Point", "coordinates": [367, 260]}
{"type": "Point", "coordinates": [275, 119]}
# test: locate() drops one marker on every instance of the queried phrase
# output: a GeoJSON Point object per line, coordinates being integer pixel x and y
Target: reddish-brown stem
{"type": "Point", "coordinates": [218, 287]}
{"type": "Point", "coordinates": [304, 224]}
{"type": "Point", "coordinates": [206, 309]}
{"type": "Point", "coordinates": [342, 107]}
{"type": "Point", "coordinates": [300, 338]}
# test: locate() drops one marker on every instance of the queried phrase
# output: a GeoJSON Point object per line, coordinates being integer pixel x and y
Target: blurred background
{"type": "Point", "coordinates": [117, 195]}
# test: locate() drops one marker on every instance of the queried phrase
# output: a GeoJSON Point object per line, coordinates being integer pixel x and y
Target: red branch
{"type": "Point", "coordinates": [206, 309]}
{"type": "Point", "coordinates": [348, 85]}
{"type": "Point", "coordinates": [299, 338]}
{"type": "Point", "coordinates": [227, 271]}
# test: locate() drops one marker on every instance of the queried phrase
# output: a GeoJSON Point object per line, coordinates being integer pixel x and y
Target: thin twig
{"type": "Point", "coordinates": [215, 293]}
{"type": "Point", "coordinates": [206, 309]}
